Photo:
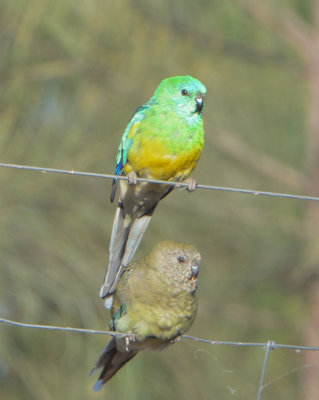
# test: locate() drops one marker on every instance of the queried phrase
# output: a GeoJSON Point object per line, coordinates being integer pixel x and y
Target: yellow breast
{"type": "Point", "coordinates": [154, 160]}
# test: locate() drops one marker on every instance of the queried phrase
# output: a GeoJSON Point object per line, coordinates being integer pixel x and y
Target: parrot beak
{"type": "Point", "coordinates": [199, 103]}
{"type": "Point", "coordinates": [195, 271]}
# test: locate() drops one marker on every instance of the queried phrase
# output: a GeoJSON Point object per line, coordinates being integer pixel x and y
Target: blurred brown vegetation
{"type": "Point", "coordinates": [72, 74]}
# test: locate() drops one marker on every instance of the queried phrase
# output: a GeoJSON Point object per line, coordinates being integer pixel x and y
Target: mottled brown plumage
{"type": "Point", "coordinates": [155, 302]}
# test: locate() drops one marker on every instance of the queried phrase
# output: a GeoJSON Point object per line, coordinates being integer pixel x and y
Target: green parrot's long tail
{"type": "Point", "coordinates": [126, 236]}
{"type": "Point", "coordinates": [133, 215]}
{"type": "Point", "coordinates": [111, 360]}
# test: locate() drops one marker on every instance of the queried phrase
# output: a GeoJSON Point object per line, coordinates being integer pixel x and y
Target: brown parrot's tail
{"type": "Point", "coordinates": [111, 360]}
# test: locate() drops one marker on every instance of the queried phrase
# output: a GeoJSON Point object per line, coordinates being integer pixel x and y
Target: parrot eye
{"type": "Point", "coordinates": [184, 92]}
{"type": "Point", "coordinates": [180, 259]}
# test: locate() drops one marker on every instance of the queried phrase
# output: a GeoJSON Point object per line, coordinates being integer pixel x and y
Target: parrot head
{"type": "Point", "coordinates": [184, 93]}
{"type": "Point", "coordinates": [178, 262]}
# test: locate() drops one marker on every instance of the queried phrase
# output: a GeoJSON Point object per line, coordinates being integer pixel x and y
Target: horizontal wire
{"type": "Point", "coordinates": [251, 344]}
{"type": "Point", "coordinates": [271, 345]}
{"type": "Point", "coordinates": [58, 328]}
{"type": "Point", "coordinates": [170, 183]}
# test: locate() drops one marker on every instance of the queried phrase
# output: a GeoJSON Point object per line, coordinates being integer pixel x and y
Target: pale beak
{"type": "Point", "coordinates": [195, 270]}
{"type": "Point", "coordinates": [199, 103]}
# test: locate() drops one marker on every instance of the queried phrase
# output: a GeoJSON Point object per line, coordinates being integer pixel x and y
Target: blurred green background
{"type": "Point", "coordinates": [72, 73]}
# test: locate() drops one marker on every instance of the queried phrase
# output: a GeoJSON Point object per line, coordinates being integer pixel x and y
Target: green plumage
{"type": "Point", "coordinates": [155, 301]}
{"type": "Point", "coordinates": [168, 115]}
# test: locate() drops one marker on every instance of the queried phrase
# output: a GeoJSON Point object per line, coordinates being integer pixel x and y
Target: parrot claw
{"type": "Point", "coordinates": [191, 184]}
{"type": "Point", "coordinates": [175, 340]}
{"type": "Point", "coordinates": [129, 338]}
{"type": "Point", "coordinates": [132, 178]}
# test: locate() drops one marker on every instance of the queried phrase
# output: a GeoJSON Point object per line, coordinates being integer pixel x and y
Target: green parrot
{"type": "Point", "coordinates": [163, 141]}
{"type": "Point", "coordinates": [155, 302]}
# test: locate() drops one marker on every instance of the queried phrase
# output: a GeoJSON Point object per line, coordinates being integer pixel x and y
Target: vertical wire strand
{"type": "Point", "coordinates": [270, 346]}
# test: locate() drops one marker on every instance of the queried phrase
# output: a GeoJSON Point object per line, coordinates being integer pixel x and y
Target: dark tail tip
{"type": "Point", "coordinates": [114, 187]}
{"type": "Point", "coordinates": [111, 360]}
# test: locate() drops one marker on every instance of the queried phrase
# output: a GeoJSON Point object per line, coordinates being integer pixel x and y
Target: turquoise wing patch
{"type": "Point", "coordinates": [126, 143]}
{"type": "Point", "coordinates": [119, 313]}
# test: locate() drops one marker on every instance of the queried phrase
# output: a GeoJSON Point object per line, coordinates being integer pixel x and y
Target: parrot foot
{"type": "Point", "coordinates": [129, 338]}
{"type": "Point", "coordinates": [191, 184]}
{"type": "Point", "coordinates": [175, 340]}
{"type": "Point", "coordinates": [132, 178]}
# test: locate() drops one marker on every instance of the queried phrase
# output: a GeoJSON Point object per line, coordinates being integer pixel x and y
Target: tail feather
{"type": "Point", "coordinates": [119, 236]}
{"type": "Point", "coordinates": [114, 187]}
{"type": "Point", "coordinates": [139, 203]}
{"type": "Point", "coordinates": [125, 239]}
{"type": "Point", "coordinates": [111, 360]}
{"type": "Point", "coordinates": [137, 231]}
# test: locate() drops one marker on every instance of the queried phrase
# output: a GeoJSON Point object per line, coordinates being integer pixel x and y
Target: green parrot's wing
{"type": "Point", "coordinates": [126, 143]}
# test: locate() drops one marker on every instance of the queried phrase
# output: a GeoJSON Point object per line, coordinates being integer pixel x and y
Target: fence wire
{"type": "Point", "coordinates": [268, 346]}
{"type": "Point", "coordinates": [170, 183]}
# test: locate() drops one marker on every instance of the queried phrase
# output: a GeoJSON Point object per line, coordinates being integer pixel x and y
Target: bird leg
{"type": "Point", "coordinates": [191, 184]}
{"type": "Point", "coordinates": [129, 338]}
{"type": "Point", "coordinates": [132, 178]}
